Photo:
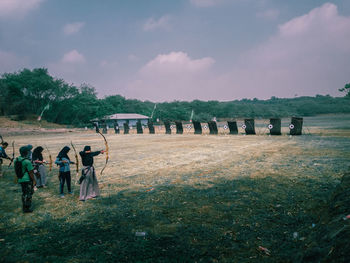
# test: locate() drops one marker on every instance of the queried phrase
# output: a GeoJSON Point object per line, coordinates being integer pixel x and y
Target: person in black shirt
{"type": "Point", "coordinates": [39, 167]}
{"type": "Point", "coordinates": [88, 181]}
{"type": "Point", "coordinates": [3, 154]}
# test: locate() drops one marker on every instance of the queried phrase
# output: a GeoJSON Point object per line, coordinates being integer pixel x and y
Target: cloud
{"type": "Point", "coordinates": [308, 55]}
{"type": "Point", "coordinates": [176, 62]}
{"type": "Point", "coordinates": [205, 3]}
{"type": "Point", "coordinates": [10, 7]}
{"type": "Point", "coordinates": [72, 68]}
{"type": "Point", "coordinates": [162, 23]}
{"type": "Point", "coordinates": [73, 57]}
{"type": "Point", "coordinates": [11, 62]}
{"type": "Point", "coordinates": [73, 28]}
{"type": "Point", "coordinates": [269, 14]}
{"type": "Point", "coordinates": [171, 76]}
{"type": "Point", "coordinates": [133, 58]}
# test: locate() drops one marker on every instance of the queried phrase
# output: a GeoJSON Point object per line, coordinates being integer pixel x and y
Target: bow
{"type": "Point", "coordinates": [13, 153]}
{"type": "Point", "coordinates": [50, 158]}
{"type": "Point", "coordinates": [106, 150]}
{"type": "Point", "coordinates": [76, 162]}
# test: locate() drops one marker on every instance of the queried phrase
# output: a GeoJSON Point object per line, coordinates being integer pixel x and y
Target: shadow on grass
{"type": "Point", "coordinates": [226, 222]}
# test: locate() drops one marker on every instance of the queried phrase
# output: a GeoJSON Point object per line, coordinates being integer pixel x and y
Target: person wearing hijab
{"type": "Point", "coordinates": [3, 154]}
{"type": "Point", "coordinates": [30, 153]}
{"type": "Point", "coordinates": [38, 161]}
{"type": "Point", "coordinates": [27, 180]}
{"type": "Point", "coordinates": [88, 181]}
{"type": "Point", "coordinates": [63, 162]}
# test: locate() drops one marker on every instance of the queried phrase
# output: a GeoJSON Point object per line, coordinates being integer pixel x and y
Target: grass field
{"type": "Point", "coordinates": [198, 198]}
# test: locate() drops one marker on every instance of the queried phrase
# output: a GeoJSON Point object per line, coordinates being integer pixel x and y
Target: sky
{"type": "Point", "coordinates": [167, 50]}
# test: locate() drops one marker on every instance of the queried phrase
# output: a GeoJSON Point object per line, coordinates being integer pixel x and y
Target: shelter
{"type": "Point", "coordinates": [121, 118]}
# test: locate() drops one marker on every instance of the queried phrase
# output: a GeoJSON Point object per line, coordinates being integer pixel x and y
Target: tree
{"type": "Point", "coordinates": [346, 89]}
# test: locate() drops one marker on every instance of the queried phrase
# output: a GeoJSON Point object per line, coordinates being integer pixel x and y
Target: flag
{"type": "Point", "coordinates": [154, 108]}
{"type": "Point", "coordinates": [47, 107]}
{"type": "Point", "coordinates": [191, 116]}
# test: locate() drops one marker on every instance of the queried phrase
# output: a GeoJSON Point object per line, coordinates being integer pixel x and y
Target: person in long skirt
{"type": "Point", "coordinates": [88, 181]}
{"type": "Point", "coordinates": [63, 161]}
{"type": "Point", "coordinates": [39, 167]}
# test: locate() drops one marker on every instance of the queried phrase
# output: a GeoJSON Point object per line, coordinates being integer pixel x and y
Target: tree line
{"type": "Point", "coordinates": [29, 92]}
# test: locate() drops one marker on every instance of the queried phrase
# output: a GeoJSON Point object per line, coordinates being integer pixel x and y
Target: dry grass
{"type": "Point", "coordinates": [198, 197]}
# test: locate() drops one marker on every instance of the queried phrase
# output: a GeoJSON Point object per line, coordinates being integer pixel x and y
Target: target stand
{"type": "Point", "coordinates": [116, 127]}
{"type": "Point", "coordinates": [213, 128]}
{"type": "Point", "coordinates": [275, 126]}
{"type": "Point", "coordinates": [104, 128]}
{"type": "Point", "coordinates": [167, 127]}
{"type": "Point", "coordinates": [179, 127]}
{"type": "Point", "coordinates": [249, 126]}
{"type": "Point", "coordinates": [126, 128]}
{"type": "Point", "coordinates": [197, 127]}
{"type": "Point", "coordinates": [96, 127]}
{"type": "Point", "coordinates": [232, 125]}
{"type": "Point", "coordinates": [139, 127]}
{"type": "Point", "coordinates": [150, 127]}
{"type": "Point", "coordinates": [296, 126]}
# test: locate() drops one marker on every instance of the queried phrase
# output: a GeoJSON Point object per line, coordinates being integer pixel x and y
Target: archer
{"type": "Point", "coordinates": [3, 154]}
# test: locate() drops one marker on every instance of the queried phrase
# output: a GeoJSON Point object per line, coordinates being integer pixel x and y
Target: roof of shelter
{"type": "Point", "coordinates": [125, 116]}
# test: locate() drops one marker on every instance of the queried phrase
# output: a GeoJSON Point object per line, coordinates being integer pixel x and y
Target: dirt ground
{"type": "Point", "coordinates": [197, 198]}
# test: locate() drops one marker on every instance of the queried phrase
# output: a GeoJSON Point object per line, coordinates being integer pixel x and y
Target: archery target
{"type": "Point", "coordinates": [291, 126]}
{"type": "Point", "coordinates": [244, 126]}
{"type": "Point", "coordinates": [225, 127]}
{"type": "Point", "coordinates": [205, 127]}
{"type": "Point", "coordinates": [172, 127]}
{"type": "Point", "coordinates": [270, 126]}
{"type": "Point", "coordinates": [189, 127]}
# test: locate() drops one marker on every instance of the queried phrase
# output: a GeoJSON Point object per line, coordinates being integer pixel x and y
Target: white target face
{"type": "Point", "coordinates": [172, 127]}
{"type": "Point", "coordinates": [205, 127]}
{"type": "Point", "coordinates": [225, 127]}
{"type": "Point", "coordinates": [270, 126]}
{"type": "Point", "coordinates": [189, 127]}
{"type": "Point", "coordinates": [291, 126]}
{"type": "Point", "coordinates": [244, 127]}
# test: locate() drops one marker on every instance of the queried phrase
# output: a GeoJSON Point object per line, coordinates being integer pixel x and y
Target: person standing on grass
{"type": "Point", "coordinates": [30, 153]}
{"type": "Point", "coordinates": [26, 178]}
{"type": "Point", "coordinates": [39, 162]}
{"type": "Point", "coordinates": [64, 162]}
{"type": "Point", "coordinates": [3, 154]}
{"type": "Point", "coordinates": [88, 181]}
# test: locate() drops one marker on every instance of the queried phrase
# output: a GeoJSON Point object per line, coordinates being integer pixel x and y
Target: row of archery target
{"type": "Point", "coordinates": [274, 127]}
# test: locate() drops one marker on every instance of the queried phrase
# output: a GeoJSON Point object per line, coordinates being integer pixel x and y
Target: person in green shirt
{"type": "Point", "coordinates": [27, 182]}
